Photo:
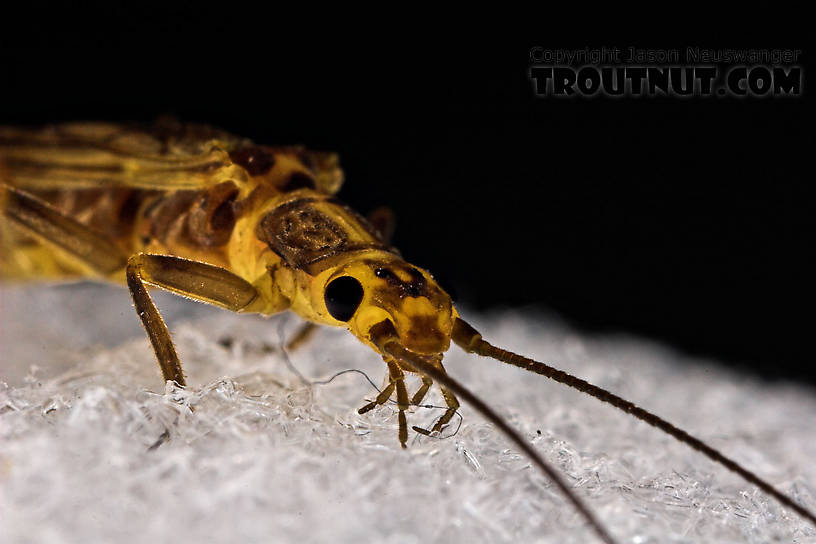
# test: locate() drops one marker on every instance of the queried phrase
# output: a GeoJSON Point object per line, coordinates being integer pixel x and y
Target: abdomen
{"type": "Point", "coordinates": [189, 224]}
{"type": "Point", "coordinates": [112, 212]}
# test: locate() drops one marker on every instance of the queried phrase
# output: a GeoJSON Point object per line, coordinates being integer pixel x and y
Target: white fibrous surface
{"type": "Point", "coordinates": [95, 448]}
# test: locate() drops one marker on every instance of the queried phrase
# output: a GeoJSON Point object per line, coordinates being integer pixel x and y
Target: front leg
{"type": "Point", "coordinates": [450, 400]}
{"type": "Point", "coordinates": [192, 279]}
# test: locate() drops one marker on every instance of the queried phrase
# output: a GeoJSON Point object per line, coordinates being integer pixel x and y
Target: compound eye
{"type": "Point", "coordinates": [343, 296]}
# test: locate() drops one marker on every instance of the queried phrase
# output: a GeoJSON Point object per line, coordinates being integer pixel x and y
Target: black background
{"type": "Point", "coordinates": [685, 220]}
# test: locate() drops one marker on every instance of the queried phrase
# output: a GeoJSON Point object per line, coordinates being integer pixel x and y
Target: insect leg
{"type": "Point", "coordinates": [419, 396]}
{"type": "Point", "coordinates": [398, 378]}
{"type": "Point", "coordinates": [91, 248]}
{"type": "Point", "coordinates": [453, 405]}
{"type": "Point", "coordinates": [384, 337]}
{"type": "Point", "coordinates": [450, 399]}
{"type": "Point", "coordinates": [301, 336]}
{"type": "Point", "coordinates": [382, 398]}
{"type": "Point", "coordinates": [199, 281]}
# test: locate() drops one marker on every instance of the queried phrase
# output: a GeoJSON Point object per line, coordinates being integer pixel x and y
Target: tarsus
{"type": "Point", "coordinates": [384, 337]}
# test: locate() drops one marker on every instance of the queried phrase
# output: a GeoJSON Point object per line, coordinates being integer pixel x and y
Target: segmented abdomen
{"type": "Point", "coordinates": [196, 224]}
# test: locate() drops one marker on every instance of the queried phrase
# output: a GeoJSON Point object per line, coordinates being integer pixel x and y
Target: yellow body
{"type": "Point", "coordinates": [152, 191]}
{"type": "Point", "coordinates": [254, 229]}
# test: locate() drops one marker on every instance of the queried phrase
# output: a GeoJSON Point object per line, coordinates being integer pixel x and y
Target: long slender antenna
{"type": "Point", "coordinates": [471, 341]}
{"type": "Point", "coordinates": [384, 337]}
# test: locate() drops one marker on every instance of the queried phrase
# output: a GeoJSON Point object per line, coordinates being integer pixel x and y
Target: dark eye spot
{"type": "Point", "coordinates": [343, 296]}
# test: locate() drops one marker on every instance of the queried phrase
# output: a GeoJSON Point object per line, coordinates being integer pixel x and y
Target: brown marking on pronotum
{"type": "Point", "coordinates": [299, 233]}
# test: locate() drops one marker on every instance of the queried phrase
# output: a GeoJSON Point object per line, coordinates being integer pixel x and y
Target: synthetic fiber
{"type": "Point", "coordinates": [95, 448]}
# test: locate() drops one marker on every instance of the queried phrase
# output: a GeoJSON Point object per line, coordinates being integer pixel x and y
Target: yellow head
{"type": "Point", "coordinates": [363, 293]}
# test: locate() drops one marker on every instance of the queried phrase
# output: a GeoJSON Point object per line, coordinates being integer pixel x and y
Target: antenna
{"type": "Point", "coordinates": [471, 341]}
